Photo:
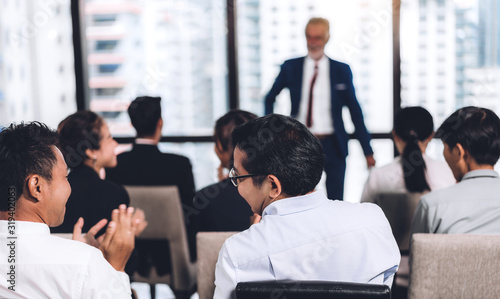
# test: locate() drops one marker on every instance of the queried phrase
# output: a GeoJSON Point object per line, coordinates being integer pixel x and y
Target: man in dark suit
{"type": "Point", "coordinates": [319, 88]}
{"type": "Point", "coordinates": [145, 165]}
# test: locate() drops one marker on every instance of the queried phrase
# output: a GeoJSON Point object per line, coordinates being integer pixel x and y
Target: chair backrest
{"type": "Point", "coordinates": [162, 207]}
{"type": "Point", "coordinates": [208, 245]}
{"type": "Point", "coordinates": [399, 209]}
{"type": "Point", "coordinates": [454, 266]}
{"type": "Point", "coordinates": [290, 289]}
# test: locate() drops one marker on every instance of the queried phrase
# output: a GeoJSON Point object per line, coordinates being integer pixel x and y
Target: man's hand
{"type": "Point", "coordinates": [119, 240]}
{"type": "Point", "coordinates": [141, 217]}
{"type": "Point", "coordinates": [89, 237]}
{"type": "Point", "coordinates": [370, 161]}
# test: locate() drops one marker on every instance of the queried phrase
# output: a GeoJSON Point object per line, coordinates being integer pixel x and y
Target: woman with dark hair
{"type": "Point", "coordinates": [224, 208]}
{"type": "Point", "coordinates": [413, 171]}
{"type": "Point", "coordinates": [87, 146]}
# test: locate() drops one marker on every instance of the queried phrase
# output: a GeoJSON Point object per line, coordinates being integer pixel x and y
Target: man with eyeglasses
{"type": "Point", "coordinates": [302, 235]}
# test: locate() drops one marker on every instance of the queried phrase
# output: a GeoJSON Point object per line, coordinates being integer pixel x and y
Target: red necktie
{"type": "Point", "coordinates": [310, 104]}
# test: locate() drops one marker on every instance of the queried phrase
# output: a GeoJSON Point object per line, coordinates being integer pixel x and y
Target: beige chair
{"type": "Point", "coordinates": [164, 214]}
{"type": "Point", "coordinates": [454, 266]}
{"type": "Point", "coordinates": [208, 245]}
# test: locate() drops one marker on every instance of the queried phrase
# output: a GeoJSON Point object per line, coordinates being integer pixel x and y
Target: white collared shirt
{"type": "Point", "coordinates": [310, 237]}
{"type": "Point", "coordinates": [147, 141]}
{"type": "Point", "coordinates": [471, 206]}
{"type": "Point", "coordinates": [52, 267]}
{"type": "Point", "coordinates": [321, 112]}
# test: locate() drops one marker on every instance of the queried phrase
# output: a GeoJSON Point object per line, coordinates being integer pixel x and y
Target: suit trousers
{"type": "Point", "coordinates": [335, 167]}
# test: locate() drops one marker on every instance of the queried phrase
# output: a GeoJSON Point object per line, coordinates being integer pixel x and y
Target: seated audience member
{"type": "Point", "coordinates": [220, 206]}
{"type": "Point", "coordinates": [34, 179]}
{"type": "Point", "coordinates": [302, 235]}
{"type": "Point", "coordinates": [145, 165]}
{"type": "Point", "coordinates": [87, 146]}
{"type": "Point", "coordinates": [413, 171]}
{"type": "Point", "coordinates": [471, 138]}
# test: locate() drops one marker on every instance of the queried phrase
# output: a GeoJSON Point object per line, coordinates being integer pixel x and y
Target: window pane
{"type": "Point", "coordinates": [450, 53]}
{"type": "Point", "coordinates": [269, 32]}
{"type": "Point", "coordinates": [37, 79]}
{"type": "Point", "coordinates": [169, 48]}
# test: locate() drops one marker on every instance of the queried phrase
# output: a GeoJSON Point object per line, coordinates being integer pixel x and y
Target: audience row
{"type": "Point", "coordinates": [275, 164]}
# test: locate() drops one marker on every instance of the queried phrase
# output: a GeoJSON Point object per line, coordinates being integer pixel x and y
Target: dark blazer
{"type": "Point", "coordinates": [342, 94]}
{"type": "Point", "coordinates": [145, 165]}
{"type": "Point", "coordinates": [91, 198]}
{"type": "Point", "coordinates": [222, 208]}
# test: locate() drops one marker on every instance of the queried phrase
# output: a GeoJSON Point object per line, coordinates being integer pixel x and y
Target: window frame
{"type": "Point", "coordinates": [81, 67]}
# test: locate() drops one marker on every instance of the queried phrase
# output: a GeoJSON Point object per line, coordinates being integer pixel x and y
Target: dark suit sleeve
{"type": "Point", "coordinates": [278, 86]}
{"type": "Point", "coordinates": [361, 133]}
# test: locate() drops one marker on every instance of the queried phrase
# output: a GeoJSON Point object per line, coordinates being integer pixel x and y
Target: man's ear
{"type": "Point", "coordinates": [461, 152]}
{"type": "Point", "coordinates": [159, 125]}
{"type": "Point", "coordinates": [275, 189]}
{"type": "Point", "coordinates": [35, 187]}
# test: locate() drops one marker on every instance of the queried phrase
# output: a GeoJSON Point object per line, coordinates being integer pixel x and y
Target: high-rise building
{"type": "Point", "coordinates": [488, 33]}
{"type": "Point", "coordinates": [36, 61]}
{"type": "Point", "coordinates": [172, 49]}
{"type": "Point", "coordinates": [428, 47]}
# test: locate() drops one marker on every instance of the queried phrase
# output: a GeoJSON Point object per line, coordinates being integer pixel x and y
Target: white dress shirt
{"type": "Point", "coordinates": [471, 206]}
{"type": "Point", "coordinates": [310, 237]}
{"type": "Point", "coordinates": [390, 178]}
{"type": "Point", "coordinates": [322, 122]}
{"type": "Point", "coordinates": [52, 267]}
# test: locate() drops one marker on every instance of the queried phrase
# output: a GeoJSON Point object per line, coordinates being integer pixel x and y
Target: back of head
{"type": "Point", "coordinates": [77, 133]}
{"type": "Point", "coordinates": [477, 130]}
{"type": "Point", "coordinates": [25, 149]}
{"type": "Point", "coordinates": [145, 112]}
{"type": "Point", "coordinates": [225, 125]}
{"type": "Point", "coordinates": [413, 124]}
{"type": "Point", "coordinates": [282, 146]}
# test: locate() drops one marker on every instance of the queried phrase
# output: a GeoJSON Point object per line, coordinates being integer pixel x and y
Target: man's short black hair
{"type": "Point", "coordinates": [145, 112]}
{"type": "Point", "coordinates": [225, 125]}
{"type": "Point", "coordinates": [25, 149]}
{"type": "Point", "coordinates": [477, 130]}
{"type": "Point", "coordinates": [280, 145]}
{"type": "Point", "coordinates": [77, 133]}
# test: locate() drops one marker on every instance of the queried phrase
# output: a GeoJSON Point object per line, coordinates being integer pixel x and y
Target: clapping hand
{"type": "Point", "coordinates": [89, 237]}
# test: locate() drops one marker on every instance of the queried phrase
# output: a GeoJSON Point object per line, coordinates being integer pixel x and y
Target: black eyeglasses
{"type": "Point", "coordinates": [234, 178]}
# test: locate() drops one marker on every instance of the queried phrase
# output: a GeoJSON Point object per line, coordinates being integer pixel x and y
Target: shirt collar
{"type": "Point", "coordinates": [480, 173]}
{"type": "Point", "coordinates": [321, 62]}
{"type": "Point", "coordinates": [296, 204]}
{"type": "Point", "coordinates": [24, 227]}
{"type": "Point", "coordinates": [145, 141]}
